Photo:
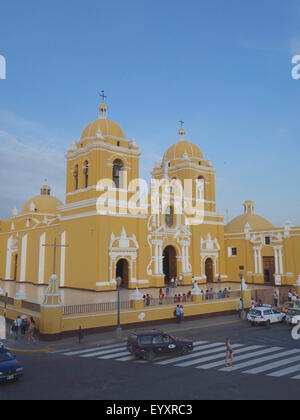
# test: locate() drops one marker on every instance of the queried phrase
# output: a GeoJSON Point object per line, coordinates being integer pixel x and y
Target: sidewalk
{"type": "Point", "coordinates": [109, 337]}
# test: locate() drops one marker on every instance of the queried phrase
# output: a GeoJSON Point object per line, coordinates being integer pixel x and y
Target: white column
{"type": "Point", "coordinates": [276, 261]}
{"type": "Point", "coordinates": [156, 270]}
{"type": "Point", "coordinates": [23, 258]}
{"type": "Point", "coordinates": [187, 258]}
{"type": "Point", "coordinates": [8, 261]}
{"type": "Point", "coordinates": [183, 259]}
{"type": "Point", "coordinates": [42, 259]}
{"type": "Point", "coordinates": [255, 261]}
{"type": "Point", "coordinates": [259, 261]}
{"type": "Point", "coordinates": [161, 268]}
{"type": "Point", "coordinates": [280, 261]}
{"type": "Point", "coordinates": [62, 259]}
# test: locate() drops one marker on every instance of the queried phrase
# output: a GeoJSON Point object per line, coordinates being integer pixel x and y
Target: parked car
{"type": "Point", "coordinates": [291, 313]}
{"type": "Point", "coordinates": [289, 305]}
{"type": "Point", "coordinates": [296, 320]}
{"type": "Point", "coordinates": [10, 368]}
{"type": "Point", "coordinates": [265, 316]}
{"type": "Point", "coordinates": [147, 344]}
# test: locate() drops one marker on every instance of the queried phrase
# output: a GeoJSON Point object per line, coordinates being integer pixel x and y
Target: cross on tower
{"type": "Point", "coordinates": [102, 94]}
{"type": "Point", "coordinates": [55, 246]}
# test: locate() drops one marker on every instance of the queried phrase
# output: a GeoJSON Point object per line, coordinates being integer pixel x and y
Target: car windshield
{"type": "Point", "coordinates": [255, 312]}
{"type": "Point", "coordinates": [5, 356]}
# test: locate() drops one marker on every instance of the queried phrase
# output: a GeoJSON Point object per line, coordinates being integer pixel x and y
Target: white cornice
{"type": "Point", "coordinates": [102, 145]}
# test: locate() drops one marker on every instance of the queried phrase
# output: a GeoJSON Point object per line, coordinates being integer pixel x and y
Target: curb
{"type": "Point", "coordinates": [24, 351]}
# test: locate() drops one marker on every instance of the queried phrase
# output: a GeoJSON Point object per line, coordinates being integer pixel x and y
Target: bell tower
{"type": "Point", "coordinates": [102, 152]}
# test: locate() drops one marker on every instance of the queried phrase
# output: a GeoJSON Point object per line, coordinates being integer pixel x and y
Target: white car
{"type": "Point", "coordinates": [265, 316]}
{"type": "Point", "coordinates": [295, 320]}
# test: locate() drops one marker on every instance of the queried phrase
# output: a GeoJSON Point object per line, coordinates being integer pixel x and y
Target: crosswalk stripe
{"type": "Point", "coordinates": [216, 356]}
{"type": "Point", "coordinates": [244, 357]}
{"type": "Point", "coordinates": [78, 352]}
{"type": "Point", "coordinates": [103, 352]}
{"type": "Point", "coordinates": [274, 365]}
{"type": "Point", "coordinates": [258, 361]}
{"type": "Point", "coordinates": [296, 377]}
{"type": "Point", "coordinates": [208, 347]}
{"type": "Point", "coordinates": [284, 372]}
{"type": "Point", "coordinates": [113, 356]}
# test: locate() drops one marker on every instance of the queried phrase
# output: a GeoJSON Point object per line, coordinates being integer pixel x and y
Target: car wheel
{"type": "Point", "coordinates": [252, 324]}
{"type": "Point", "coordinates": [268, 324]}
{"type": "Point", "coordinates": [149, 356]}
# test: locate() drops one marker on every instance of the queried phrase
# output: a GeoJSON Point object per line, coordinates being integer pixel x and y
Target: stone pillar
{"type": "Point", "coordinates": [197, 296]}
{"type": "Point", "coordinates": [52, 310]}
{"type": "Point", "coordinates": [276, 261]}
{"type": "Point", "coordinates": [259, 261]}
{"type": "Point", "coordinates": [280, 261]}
{"type": "Point", "coordinates": [255, 261]}
{"type": "Point", "coordinates": [137, 301]}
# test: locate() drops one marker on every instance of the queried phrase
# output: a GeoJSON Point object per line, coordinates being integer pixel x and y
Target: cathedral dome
{"type": "Point", "coordinates": [183, 149]}
{"type": "Point", "coordinates": [249, 217]}
{"type": "Point", "coordinates": [43, 203]}
{"type": "Point", "coordinates": [102, 127]}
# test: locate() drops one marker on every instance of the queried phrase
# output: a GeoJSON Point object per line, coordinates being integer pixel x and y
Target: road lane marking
{"type": "Point", "coordinates": [274, 365]}
{"type": "Point", "coordinates": [78, 352]}
{"type": "Point", "coordinates": [216, 356]}
{"type": "Point", "coordinates": [284, 372]}
{"type": "Point", "coordinates": [103, 352]}
{"type": "Point", "coordinates": [113, 356]}
{"type": "Point", "coordinates": [208, 347]}
{"type": "Point", "coordinates": [259, 361]}
{"type": "Point", "coordinates": [239, 358]}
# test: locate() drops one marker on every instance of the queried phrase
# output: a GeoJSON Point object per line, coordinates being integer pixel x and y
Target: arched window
{"type": "Point", "coordinates": [117, 172]}
{"type": "Point", "coordinates": [170, 217]}
{"type": "Point", "coordinates": [76, 177]}
{"type": "Point", "coordinates": [201, 187]}
{"type": "Point", "coordinates": [86, 173]}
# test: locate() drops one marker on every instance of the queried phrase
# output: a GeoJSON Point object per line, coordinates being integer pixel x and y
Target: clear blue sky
{"type": "Point", "coordinates": [222, 66]}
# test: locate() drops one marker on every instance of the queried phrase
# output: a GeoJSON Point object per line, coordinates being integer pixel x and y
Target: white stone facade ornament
{"type": "Point", "coordinates": [99, 134]}
{"type": "Point", "coordinates": [27, 223]}
{"type": "Point", "coordinates": [196, 291]}
{"type": "Point", "coordinates": [1, 292]}
{"type": "Point", "coordinates": [15, 212]}
{"type": "Point", "coordinates": [287, 229]}
{"type": "Point", "coordinates": [247, 231]}
{"type": "Point", "coordinates": [32, 207]}
{"type": "Point", "coordinates": [137, 295]}
{"type": "Point", "coordinates": [53, 295]}
{"type": "Point", "coordinates": [12, 226]}
{"type": "Point", "coordinates": [244, 285]}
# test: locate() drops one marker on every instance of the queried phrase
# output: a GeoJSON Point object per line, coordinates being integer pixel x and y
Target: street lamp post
{"type": "Point", "coordinates": [242, 295]}
{"type": "Point", "coordinates": [119, 329]}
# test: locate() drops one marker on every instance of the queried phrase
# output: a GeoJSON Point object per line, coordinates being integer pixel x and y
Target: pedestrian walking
{"type": "Point", "coordinates": [229, 353]}
{"type": "Point", "coordinates": [24, 325]}
{"type": "Point", "coordinates": [290, 295]}
{"type": "Point", "coordinates": [18, 324]}
{"type": "Point", "coordinates": [172, 282]}
{"type": "Point", "coordinates": [178, 314]}
{"type": "Point", "coordinates": [80, 335]}
{"type": "Point", "coordinates": [31, 332]}
{"type": "Point", "coordinates": [181, 313]}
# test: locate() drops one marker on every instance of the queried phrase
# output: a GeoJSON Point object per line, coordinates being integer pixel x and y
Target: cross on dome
{"type": "Point", "coordinates": [103, 111]}
{"type": "Point", "coordinates": [181, 129]}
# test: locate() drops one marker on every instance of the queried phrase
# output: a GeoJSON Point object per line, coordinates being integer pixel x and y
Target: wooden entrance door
{"type": "Point", "coordinates": [209, 270]}
{"type": "Point", "coordinates": [269, 270]}
{"type": "Point", "coordinates": [123, 272]}
{"type": "Point", "coordinates": [170, 264]}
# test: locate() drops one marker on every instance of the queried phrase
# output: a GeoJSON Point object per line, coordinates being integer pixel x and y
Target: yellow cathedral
{"type": "Point", "coordinates": [145, 250]}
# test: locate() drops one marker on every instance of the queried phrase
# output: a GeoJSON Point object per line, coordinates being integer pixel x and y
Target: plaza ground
{"type": "Point", "coordinates": [58, 376]}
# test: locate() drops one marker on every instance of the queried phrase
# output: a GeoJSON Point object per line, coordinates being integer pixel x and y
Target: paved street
{"type": "Point", "coordinates": [267, 366]}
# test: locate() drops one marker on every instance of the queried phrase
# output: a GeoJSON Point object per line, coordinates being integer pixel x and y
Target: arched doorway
{"type": "Point", "coordinates": [122, 270]}
{"type": "Point", "coordinates": [209, 270]}
{"type": "Point", "coordinates": [170, 264]}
